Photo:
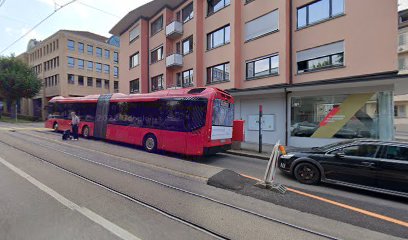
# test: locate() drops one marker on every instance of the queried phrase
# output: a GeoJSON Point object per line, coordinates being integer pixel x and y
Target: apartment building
{"type": "Point", "coordinates": [401, 101]}
{"type": "Point", "coordinates": [322, 70]}
{"type": "Point", "coordinates": [71, 63]}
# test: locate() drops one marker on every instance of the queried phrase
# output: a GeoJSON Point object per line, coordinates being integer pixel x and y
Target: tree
{"type": "Point", "coordinates": [17, 80]}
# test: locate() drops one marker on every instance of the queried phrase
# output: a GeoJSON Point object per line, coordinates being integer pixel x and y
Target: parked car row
{"type": "Point", "coordinates": [380, 166]}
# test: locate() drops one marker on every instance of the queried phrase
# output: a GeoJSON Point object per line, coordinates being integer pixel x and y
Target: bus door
{"type": "Point", "coordinates": [101, 120]}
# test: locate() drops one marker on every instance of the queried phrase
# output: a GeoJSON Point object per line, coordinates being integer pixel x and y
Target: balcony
{"type": "Point", "coordinates": [174, 30]}
{"type": "Point", "coordinates": [174, 60]}
{"type": "Point", "coordinates": [403, 43]}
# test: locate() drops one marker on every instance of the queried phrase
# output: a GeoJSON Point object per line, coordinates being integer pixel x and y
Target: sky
{"type": "Point", "coordinates": [17, 17]}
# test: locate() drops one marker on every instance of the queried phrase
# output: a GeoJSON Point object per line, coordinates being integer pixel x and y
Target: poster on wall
{"type": "Point", "coordinates": [268, 122]}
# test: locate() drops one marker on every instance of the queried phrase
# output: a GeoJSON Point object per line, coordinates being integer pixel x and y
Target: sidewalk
{"type": "Point", "coordinates": [246, 153]}
{"type": "Point", "coordinates": [253, 154]}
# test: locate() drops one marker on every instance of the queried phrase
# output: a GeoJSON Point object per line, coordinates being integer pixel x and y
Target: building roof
{"type": "Point", "coordinates": [87, 34]}
{"type": "Point", "coordinates": [145, 11]}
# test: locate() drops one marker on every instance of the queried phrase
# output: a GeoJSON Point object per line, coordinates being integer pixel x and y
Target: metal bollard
{"type": "Point", "coordinates": [269, 178]}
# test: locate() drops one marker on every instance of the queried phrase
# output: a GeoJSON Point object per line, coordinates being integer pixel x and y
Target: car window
{"type": "Point", "coordinates": [365, 150]}
{"type": "Point", "coordinates": [396, 153]}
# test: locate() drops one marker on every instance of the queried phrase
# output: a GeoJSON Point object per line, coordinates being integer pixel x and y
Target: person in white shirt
{"type": "Point", "coordinates": [74, 123]}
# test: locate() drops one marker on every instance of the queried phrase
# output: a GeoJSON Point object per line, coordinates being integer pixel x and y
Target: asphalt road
{"type": "Point", "coordinates": [143, 222]}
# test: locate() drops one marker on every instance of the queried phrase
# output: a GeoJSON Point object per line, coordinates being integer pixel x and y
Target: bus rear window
{"type": "Point", "coordinates": [223, 113]}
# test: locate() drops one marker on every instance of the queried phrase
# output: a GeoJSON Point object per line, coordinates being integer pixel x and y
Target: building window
{"type": "Point", "coordinates": [71, 79]}
{"type": "Point", "coordinates": [327, 56]}
{"type": "Point", "coordinates": [310, 115]}
{"type": "Point", "coordinates": [106, 68]}
{"type": "Point", "coordinates": [157, 83]}
{"type": "Point", "coordinates": [319, 11]}
{"type": "Point", "coordinates": [134, 60]}
{"type": "Point", "coordinates": [400, 111]}
{"type": "Point", "coordinates": [90, 65]}
{"type": "Point", "coordinates": [263, 25]}
{"type": "Point", "coordinates": [80, 63]}
{"type": "Point", "coordinates": [219, 73]}
{"type": "Point", "coordinates": [98, 67]}
{"type": "Point", "coordinates": [402, 63]}
{"type": "Point", "coordinates": [218, 37]}
{"type": "Point", "coordinates": [216, 5]}
{"type": "Point", "coordinates": [266, 66]}
{"type": "Point", "coordinates": [134, 86]}
{"type": "Point", "coordinates": [116, 57]}
{"type": "Point", "coordinates": [115, 72]}
{"type": "Point", "coordinates": [187, 13]}
{"type": "Point", "coordinates": [99, 52]}
{"type": "Point", "coordinates": [99, 83]}
{"type": "Point", "coordinates": [81, 80]}
{"type": "Point", "coordinates": [80, 47]}
{"type": "Point", "coordinates": [157, 25]}
{"type": "Point", "coordinates": [133, 34]}
{"type": "Point", "coordinates": [107, 84]}
{"type": "Point", "coordinates": [156, 55]}
{"type": "Point", "coordinates": [185, 79]}
{"type": "Point", "coordinates": [188, 45]}
{"type": "Point", "coordinates": [90, 49]}
{"type": "Point", "coordinates": [116, 86]}
{"type": "Point", "coordinates": [71, 63]}
{"type": "Point", "coordinates": [71, 46]}
{"type": "Point", "coordinates": [89, 82]}
{"type": "Point", "coordinates": [107, 54]}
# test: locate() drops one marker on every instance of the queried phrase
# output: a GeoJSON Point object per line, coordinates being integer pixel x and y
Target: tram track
{"type": "Point", "coordinates": [163, 184]}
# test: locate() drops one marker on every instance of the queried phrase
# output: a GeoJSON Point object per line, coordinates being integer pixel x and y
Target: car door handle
{"type": "Point", "coordinates": [368, 164]}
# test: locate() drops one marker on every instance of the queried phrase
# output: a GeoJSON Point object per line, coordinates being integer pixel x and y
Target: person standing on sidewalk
{"type": "Point", "coordinates": [74, 123]}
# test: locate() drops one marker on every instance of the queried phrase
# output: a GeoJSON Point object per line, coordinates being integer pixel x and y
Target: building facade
{"type": "Point", "coordinates": [321, 70]}
{"type": "Point", "coordinates": [71, 63]}
{"type": "Point", "coordinates": [401, 101]}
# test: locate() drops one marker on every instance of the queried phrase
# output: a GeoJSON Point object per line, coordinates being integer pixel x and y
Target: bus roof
{"type": "Point", "coordinates": [206, 92]}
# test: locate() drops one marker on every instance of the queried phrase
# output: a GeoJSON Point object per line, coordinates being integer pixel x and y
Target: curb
{"type": "Point", "coordinates": [244, 154]}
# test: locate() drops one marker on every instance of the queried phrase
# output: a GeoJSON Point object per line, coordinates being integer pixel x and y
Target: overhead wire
{"type": "Point", "coordinates": [38, 24]}
{"type": "Point", "coordinates": [98, 9]}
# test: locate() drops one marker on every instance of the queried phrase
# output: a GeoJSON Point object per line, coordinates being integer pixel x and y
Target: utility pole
{"type": "Point", "coordinates": [260, 129]}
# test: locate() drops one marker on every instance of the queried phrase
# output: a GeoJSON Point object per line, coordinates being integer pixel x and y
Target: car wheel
{"type": "Point", "coordinates": [55, 127]}
{"type": "Point", "coordinates": [150, 143]}
{"type": "Point", "coordinates": [85, 132]}
{"type": "Point", "coordinates": [307, 173]}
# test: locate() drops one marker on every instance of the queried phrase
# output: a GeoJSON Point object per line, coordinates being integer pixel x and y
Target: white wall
{"type": "Point", "coordinates": [272, 104]}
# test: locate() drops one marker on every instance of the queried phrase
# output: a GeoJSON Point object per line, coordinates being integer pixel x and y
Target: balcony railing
{"type": "Point", "coordinates": [174, 60]}
{"type": "Point", "coordinates": [174, 30]}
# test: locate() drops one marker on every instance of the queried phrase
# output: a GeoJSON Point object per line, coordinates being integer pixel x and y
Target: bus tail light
{"type": "Point", "coordinates": [209, 134]}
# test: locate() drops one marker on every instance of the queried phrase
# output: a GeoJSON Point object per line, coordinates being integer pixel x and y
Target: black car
{"type": "Point", "coordinates": [374, 165]}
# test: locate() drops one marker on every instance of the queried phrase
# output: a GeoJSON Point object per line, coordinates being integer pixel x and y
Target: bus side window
{"type": "Point", "coordinates": [113, 112]}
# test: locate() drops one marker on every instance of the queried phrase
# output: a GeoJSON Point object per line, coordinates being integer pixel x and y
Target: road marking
{"type": "Point", "coordinates": [342, 205]}
{"type": "Point", "coordinates": [199, 178]}
{"type": "Point", "coordinates": [108, 225]}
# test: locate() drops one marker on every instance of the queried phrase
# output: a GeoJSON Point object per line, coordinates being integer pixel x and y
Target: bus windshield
{"type": "Point", "coordinates": [223, 113]}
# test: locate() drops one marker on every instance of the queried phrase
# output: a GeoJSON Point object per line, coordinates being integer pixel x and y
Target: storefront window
{"type": "Point", "coordinates": [337, 116]}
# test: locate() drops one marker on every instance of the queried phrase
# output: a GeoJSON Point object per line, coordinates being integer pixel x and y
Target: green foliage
{"type": "Point", "coordinates": [17, 79]}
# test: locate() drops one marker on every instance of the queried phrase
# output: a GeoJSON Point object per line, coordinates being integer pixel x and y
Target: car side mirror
{"type": "Point", "coordinates": [340, 155]}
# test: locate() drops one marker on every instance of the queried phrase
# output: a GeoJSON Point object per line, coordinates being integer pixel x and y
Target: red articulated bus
{"type": "Point", "coordinates": [195, 121]}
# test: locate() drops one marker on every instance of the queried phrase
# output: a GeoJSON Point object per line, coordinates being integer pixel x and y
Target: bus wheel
{"type": "Point", "coordinates": [85, 132]}
{"type": "Point", "coordinates": [55, 127]}
{"type": "Point", "coordinates": [150, 143]}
